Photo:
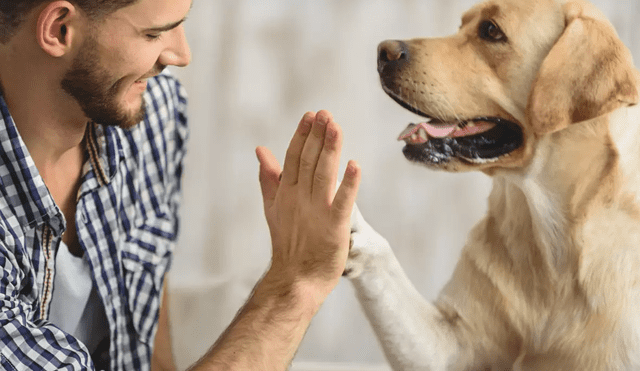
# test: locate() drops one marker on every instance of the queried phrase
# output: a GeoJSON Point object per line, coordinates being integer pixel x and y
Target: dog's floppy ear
{"type": "Point", "coordinates": [588, 73]}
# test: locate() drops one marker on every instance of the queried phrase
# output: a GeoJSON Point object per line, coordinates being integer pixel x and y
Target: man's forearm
{"type": "Point", "coordinates": [266, 331]}
{"type": "Point", "coordinates": [162, 359]}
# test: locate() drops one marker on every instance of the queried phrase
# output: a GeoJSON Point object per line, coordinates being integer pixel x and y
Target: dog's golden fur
{"type": "Point", "coordinates": [550, 278]}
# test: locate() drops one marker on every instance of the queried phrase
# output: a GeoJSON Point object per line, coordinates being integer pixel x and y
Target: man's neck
{"type": "Point", "coordinates": [50, 122]}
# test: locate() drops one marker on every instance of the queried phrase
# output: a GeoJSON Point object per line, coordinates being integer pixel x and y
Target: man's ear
{"type": "Point", "coordinates": [57, 27]}
{"type": "Point", "coordinates": [588, 73]}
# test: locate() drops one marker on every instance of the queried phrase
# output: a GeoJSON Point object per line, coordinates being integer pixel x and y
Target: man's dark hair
{"type": "Point", "coordinates": [13, 12]}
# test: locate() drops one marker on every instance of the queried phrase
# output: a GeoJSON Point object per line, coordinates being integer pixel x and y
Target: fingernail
{"type": "Point", "coordinates": [332, 134]}
{"type": "Point", "coordinates": [305, 125]}
{"type": "Point", "coordinates": [352, 168]}
{"type": "Point", "coordinates": [322, 119]}
{"type": "Point", "coordinates": [309, 117]}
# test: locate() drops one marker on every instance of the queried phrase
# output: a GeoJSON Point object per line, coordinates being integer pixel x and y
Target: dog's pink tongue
{"type": "Point", "coordinates": [413, 134]}
{"type": "Point", "coordinates": [439, 131]}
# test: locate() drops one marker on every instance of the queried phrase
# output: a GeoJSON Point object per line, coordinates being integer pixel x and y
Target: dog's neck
{"type": "Point", "coordinates": [545, 209]}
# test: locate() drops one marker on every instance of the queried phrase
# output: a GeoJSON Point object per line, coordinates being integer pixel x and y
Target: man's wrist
{"type": "Point", "coordinates": [305, 296]}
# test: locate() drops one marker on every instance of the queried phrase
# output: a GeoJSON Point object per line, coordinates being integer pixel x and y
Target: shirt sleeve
{"type": "Point", "coordinates": [25, 343]}
{"type": "Point", "coordinates": [179, 138]}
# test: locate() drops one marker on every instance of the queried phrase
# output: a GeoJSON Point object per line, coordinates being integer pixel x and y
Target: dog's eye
{"type": "Point", "coordinates": [491, 32]}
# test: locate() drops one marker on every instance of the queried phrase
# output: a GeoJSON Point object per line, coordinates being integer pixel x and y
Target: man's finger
{"type": "Point", "coordinates": [346, 196]}
{"type": "Point", "coordinates": [269, 175]}
{"type": "Point", "coordinates": [311, 151]}
{"type": "Point", "coordinates": [326, 173]}
{"type": "Point", "coordinates": [292, 158]}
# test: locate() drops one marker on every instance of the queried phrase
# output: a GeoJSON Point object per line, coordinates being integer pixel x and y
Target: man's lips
{"type": "Point", "coordinates": [147, 77]}
{"type": "Point", "coordinates": [144, 79]}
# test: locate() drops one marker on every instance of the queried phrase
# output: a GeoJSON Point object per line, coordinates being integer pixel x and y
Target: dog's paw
{"type": "Point", "coordinates": [367, 246]}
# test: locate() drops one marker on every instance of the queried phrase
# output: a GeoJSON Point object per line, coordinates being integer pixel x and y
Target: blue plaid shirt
{"type": "Point", "coordinates": [126, 218]}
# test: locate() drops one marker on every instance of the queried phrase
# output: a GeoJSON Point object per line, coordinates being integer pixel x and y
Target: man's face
{"type": "Point", "coordinates": [108, 75]}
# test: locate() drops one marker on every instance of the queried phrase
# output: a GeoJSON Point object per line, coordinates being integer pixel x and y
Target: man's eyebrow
{"type": "Point", "coordinates": [164, 28]}
{"type": "Point", "coordinates": [169, 26]}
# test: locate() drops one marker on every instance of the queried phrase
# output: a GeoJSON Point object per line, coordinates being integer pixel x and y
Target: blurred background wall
{"type": "Point", "coordinates": [257, 67]}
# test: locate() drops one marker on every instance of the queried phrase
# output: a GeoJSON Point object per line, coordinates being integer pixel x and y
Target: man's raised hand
{"type": "Point", "coordinates": [309, 221]}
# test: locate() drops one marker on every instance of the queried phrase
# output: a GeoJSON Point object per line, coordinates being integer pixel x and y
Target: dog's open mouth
{"type": "Point", "coordinates": [478, 140]}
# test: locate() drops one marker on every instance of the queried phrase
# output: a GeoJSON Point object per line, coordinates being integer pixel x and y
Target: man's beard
{"type": "Point", "coordinates": [88, 83]}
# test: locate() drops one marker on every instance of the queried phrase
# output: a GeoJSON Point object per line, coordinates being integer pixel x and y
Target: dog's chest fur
{"type": "Point", "coordinates": [571, 277]}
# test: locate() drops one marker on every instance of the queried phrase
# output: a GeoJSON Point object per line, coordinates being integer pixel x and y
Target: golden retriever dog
{"type": "Point", "coordinates": [539, 95]}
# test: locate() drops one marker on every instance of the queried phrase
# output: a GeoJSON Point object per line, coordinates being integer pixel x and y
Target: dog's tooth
{"type": "Point", "coordinates": [406, 133]}
{"type": "Point", "coordinates": [471, 124]}
{"type": "Point", "coordinates": [423, 134]}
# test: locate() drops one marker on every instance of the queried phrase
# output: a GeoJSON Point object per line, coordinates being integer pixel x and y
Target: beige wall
{"type": "Point", "coordinates": [257, 67]}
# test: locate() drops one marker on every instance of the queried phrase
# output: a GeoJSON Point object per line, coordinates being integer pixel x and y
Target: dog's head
{"type": "Point", "coordinates": [516, 71]}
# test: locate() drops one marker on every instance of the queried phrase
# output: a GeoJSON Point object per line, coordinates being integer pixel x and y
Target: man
{"type": "Point", "coordinates": [92, 139]}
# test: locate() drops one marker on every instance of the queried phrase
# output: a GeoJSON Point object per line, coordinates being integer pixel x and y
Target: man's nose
{"type": "Point", "coordinates": [177, 52]}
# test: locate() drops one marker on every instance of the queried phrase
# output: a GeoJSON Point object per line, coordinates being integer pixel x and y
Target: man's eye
{"type": "Point", "coordinates": [491, 32]}
{"type": "Point", "coordinates": [153, 36]}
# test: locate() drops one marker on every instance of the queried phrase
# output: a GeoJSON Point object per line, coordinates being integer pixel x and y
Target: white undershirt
{"type": "Point", "coordinates": [76, 307]}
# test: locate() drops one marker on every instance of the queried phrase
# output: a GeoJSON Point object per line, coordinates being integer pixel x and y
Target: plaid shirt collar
{"type": "Point", "coordinates": [104, 145]}
{"type": "Point", "coordinates": [31, 201]}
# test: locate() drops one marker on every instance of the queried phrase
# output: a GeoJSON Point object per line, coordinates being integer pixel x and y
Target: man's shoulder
{"type": "Point", "coordinates": [166, 87]}
{"type": "Point", "coordinates": [164, 131]}
{"type": "Point", "coordinates": [165, 102]}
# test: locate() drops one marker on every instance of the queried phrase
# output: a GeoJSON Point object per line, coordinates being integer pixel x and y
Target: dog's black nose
{"type": "Point", "coordinates": [392, 54]}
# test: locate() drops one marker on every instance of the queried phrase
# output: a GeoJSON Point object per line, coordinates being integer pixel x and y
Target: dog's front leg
{"type": "Point", "coordinates": [414, 334]}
